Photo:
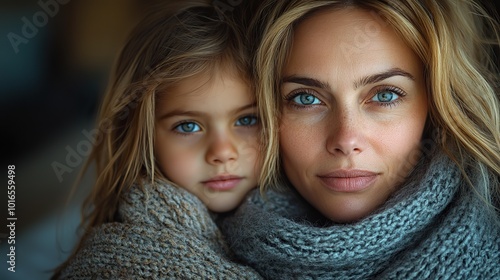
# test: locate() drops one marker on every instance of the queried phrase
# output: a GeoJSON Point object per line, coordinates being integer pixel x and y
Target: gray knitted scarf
{"type": "Point", "coordinates": [160, 233]}
{"type": "Point", "coordinates": [433, 228]}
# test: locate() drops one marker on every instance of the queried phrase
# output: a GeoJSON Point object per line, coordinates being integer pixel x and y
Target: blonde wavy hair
{"type": "Point", "coordinates": [456, 41]}
{"type": "Point", "coordinates": [174, 41]}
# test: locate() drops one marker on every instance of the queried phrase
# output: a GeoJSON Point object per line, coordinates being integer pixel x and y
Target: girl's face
{"type": "Point", "coordinates": [354, 109]}
{"type": "Point", "coordinates": [207, 138]}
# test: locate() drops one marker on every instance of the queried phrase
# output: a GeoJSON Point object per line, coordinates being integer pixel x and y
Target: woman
{"type": "Point", "coordinates": [389, 142]}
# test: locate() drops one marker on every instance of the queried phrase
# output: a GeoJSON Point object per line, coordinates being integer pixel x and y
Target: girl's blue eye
{"type": "Point", "coordinates": [247, 121]}
{"type": "Point", "coordinates": [306, 99]}
{"type": "Point", "coordinates": [385, 96]}
{"type": "Point", "coordinates": [187, 127]}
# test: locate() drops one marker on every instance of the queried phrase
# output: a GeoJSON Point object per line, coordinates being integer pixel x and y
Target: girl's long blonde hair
{"type": "Point", "coordinates": [174, 41]}
{"type": "Point", "coordinates": [455, 39]}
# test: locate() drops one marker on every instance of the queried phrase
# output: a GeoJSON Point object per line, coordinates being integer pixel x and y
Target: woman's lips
{"type": "Point", "coordinates": [348, 180]}
{"type": "Point", "coordinates": [222, 183]}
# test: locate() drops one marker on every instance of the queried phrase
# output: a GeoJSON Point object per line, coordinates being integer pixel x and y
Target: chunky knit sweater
{"type": "Point", "coordinates": [434, 227]}
{"type": "Point", "coordinates": [160, 233]}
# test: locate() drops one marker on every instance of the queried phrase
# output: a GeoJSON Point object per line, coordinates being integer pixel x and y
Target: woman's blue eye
{"type": "Point", "coordinates": [246, 121]}
{"type": "Point", "coordinates": [187, 127]}
{"type": "Point", "coordinates": [385, 96]}
{"type": "Point", "coordinates": [306, 99]}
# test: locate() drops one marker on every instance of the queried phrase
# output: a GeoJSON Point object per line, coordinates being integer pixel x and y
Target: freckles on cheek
{"type": "Point", "coordinates": [401, 150]}
{"type": "Point", "coordinates": [295, 152]}
{"type": "Point", "coordinates": [286, 142]}
{"type": "Point", "coordinates": [289, 138]}
{"type": "Point", "coordinates": [301, 137]}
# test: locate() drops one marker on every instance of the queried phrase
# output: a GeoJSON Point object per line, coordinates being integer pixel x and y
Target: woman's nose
{"type": "Point", "coordinates": [345, 134]}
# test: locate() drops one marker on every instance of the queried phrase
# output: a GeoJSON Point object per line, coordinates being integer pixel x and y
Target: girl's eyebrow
{"type": "Point", "coordinates": [371, 79]}
{"type": "Point", "coordinates": [180, 112]}
{"type": "Point", "coordinates": [243, 108]}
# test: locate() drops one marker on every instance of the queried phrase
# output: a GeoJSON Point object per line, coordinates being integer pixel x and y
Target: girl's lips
{"type": "Point", "coordinates": [222, 183]}
{"type": "Point", "coordinates": [348, 180]}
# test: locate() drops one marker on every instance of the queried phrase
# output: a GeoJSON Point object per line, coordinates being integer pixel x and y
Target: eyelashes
{"type": "Point", "coordinates": [388, 96]}
{"type": "Point", "coordinates": [302, 99]}
{"type": "Point", "coordinates": [384, 96]}
{"type": "Point", "coordinates": [248, 120]}
{"type": "Point", "coordinates": [186, 127]}
{"type": "Point", "coordinates": [190, 127]}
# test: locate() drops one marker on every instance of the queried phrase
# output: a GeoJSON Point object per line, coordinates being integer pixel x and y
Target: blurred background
{"type": "Point", "coordinates": [55, 58]}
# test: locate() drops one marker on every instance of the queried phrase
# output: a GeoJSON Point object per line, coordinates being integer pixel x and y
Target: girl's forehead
{"type": "Point", "coordinates": [207, 92]}
{"type": "Point", "coordinates": [202, 83]}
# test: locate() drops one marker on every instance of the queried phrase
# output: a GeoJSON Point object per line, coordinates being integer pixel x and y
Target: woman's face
{"type": "Point", "coordinates": [354, 109]}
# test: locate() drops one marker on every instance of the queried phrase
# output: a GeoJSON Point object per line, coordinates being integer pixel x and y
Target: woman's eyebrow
{"type": "Point", "coordinates": [382, 76]}
{"type": "Point", "coordinates": [306, 82]}
{"type": "Point", "coordinates": [371, 79]}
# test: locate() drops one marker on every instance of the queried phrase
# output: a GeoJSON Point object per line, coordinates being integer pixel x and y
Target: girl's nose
{"type": "Point", "coordinates": [222, 149]}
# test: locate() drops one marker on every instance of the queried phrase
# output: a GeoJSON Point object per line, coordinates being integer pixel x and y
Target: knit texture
{"type": "Point", "coordinates": [434, 227]}
{"type": "Point", "coordinates": [161, 233]}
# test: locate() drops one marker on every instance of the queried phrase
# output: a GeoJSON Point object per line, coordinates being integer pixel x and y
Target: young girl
{"type": "Point", "coordinates": [389, 142]}
{"type": "Point", "coordinates": [178, 136]}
